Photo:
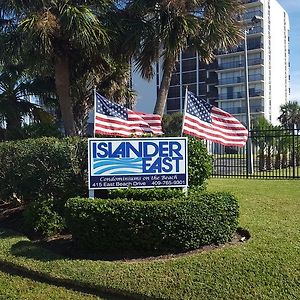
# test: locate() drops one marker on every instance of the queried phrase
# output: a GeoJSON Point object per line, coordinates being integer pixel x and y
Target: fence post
{"type": "Point", "coordinates": [293, 152]}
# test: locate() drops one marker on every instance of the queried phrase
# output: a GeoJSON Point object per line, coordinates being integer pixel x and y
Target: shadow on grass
{"type": "Point", "coordinates": [6, 233]}
{"type": "Point", "coordinates": [63, 247]}
{"type": "Point", "coordinates": [30, 249]}
{"type": "Point", "coordinates": [103, 292]}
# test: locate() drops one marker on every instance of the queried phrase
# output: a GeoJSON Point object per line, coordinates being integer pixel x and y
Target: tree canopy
{"type": "Point", "coordinates": [290, 115]}
{"type": "Point", "coordinates": [82, 43]}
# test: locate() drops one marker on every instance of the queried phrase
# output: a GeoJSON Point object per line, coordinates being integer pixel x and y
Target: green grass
{"type": "Point", "coordinates": [17, 287]}
{"type": "Point", "coordinates": [265, 267]}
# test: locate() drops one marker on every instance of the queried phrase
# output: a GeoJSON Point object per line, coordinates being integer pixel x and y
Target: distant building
{"type": "Point", "coordinates": [222, 82]}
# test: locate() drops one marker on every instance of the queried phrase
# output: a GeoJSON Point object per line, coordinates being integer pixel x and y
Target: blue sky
{"type": "Point", "coordinates": [292, 7]}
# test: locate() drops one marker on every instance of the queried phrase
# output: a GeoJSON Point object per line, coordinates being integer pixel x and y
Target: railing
{"type": "Point", "coordinates": [239, 64]}
{"type": "Point", "coordinates": [241, 79]}
{"type": "Point", "coordinates": [276, 154]}
{"type": "Point", "coordinates": [250, 46]}
{"type": "Point", "coordinates": [249, 15]}
{"type": "Point", "coordinates": [242, 110]}
{"type": "Point", "coordinates": [238, 95]}
{"type": "Point", "coordinates": [249, 1]}
{"type": "Point", "coordinates": [255, 30]}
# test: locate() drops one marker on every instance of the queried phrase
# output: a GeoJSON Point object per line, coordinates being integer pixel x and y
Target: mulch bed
{"type": "Point", "coordinates": [11, 217]}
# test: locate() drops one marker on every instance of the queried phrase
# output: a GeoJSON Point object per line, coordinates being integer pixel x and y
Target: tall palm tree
{"type": "Point", "coordinates": [15, 90]}
{"type": "Point", "coordinates": [55, 31]}
{"type": "Point", "coordinates": [263, 139]}
{"type": "Point", "coordinates": [163, 28]}
{"type": "Point", "coordinates": [290, 115]}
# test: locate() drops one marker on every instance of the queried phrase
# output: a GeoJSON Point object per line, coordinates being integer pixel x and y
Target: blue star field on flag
{"type": "Point", "coordinates": [114, 119]}
{"type": "Point", "coordinates": [108, 108]}
{"type": "Point", "coordinates": [199, 108]}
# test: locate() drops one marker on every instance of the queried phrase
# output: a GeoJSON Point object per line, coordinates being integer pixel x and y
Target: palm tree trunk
{"type": "Point", "coordinates": [13, 119]}
{"type": "Point", "coordinates": [164, 86]}
{"type": "Point", "coordinates": [62, 84]}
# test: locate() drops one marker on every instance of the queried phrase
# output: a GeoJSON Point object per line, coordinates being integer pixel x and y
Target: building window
{"type": "Point", "coordinates": [173, 104]}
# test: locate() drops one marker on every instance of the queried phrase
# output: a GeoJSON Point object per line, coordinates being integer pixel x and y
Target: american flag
{"type": "Point", "coordinates": [208, 122]}
{"type": "Point", "coordinates": [115, 119]}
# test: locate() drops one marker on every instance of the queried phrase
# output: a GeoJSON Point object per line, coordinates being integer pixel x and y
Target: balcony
{"type": "Point", "coordinates": [240, 79]}
{"type": "Point", "coordinates": [240, 95]}
{"type": "Point", "coordinates": [249, 15]}
{"type": "Point", "coordinates": [231, 80]}
{"type": "Point", "coordinates": [239, 64]}
{"type": "Point", "coordinates": [249, 1]}
{"type": "Point", "coordinates": [242, 110]}
{"type": "Point", "coordinates": [240, 48]}
{"type": "Point", "coordinates": [255, 30]}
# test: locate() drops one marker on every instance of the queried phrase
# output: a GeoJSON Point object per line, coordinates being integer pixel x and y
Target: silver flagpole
{"type": "Point", "coordinates": [92, 191]}
{"type": "Point", "coordinates": [95, 108]}
{"type": "Point", "coordinates": [184, 110]}
{"type": "Point", "coordinates": [185, 189]}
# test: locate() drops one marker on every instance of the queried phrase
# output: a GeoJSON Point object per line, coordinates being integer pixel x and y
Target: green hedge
{"type": "Point", "coordinates": [42, 217]}
{"type": "Point", "coordinates": [200, 163]}
{"type": "Point", "coordinates": [146, 194]}
{"type": "Point", "coordinates": [172, 225]}
{"type": "Point", "coordinates": [44, 167]}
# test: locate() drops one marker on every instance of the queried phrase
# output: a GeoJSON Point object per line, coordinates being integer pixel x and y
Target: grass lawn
{"type": "Point", "coordinates": [16, 287]}
{"type": "Point", "coordinates": [265, 267]}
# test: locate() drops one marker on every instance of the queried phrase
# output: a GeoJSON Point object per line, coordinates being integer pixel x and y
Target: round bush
{"type": "Point", "coordinates": [42, 168]}
{"type": "Point", "coordinates": [171, 225]}
{"type": "Point", "coordinates": [42, 218]}
{"type": "Point", "coordinates": [200, 163]}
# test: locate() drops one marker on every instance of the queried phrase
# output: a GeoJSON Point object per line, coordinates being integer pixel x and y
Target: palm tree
{"type": "Point", "coordinates": [55, 32]}
{"type": "Point", "coordinates": [164, 28]}
{"type": "Point", "coordinates": [290, 115]}
{"type": "Point", "coordinates": [263, 139]}
{"type": "Point", "coordinates": [15, 90]}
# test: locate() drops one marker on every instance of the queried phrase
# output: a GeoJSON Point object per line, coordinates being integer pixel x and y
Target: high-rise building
{"type": "Point", "coordinates": [222, 82]}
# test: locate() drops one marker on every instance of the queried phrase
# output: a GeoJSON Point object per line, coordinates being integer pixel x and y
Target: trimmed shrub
{"type": "Point", "coordinates": [146, 194]}
{"type": "Point", "coordinates": [171, 225]}
{"type": "Point", "coordinates": [41, 217]}
{"type": "Point", "coordinates": [44, 167]}
{"type": "Point", "coordinates": [200, 163]}
{"type": "Point", "coordinates": [37, 130]}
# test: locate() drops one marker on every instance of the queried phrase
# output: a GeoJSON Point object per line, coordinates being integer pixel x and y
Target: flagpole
{"type": "Point", "coordinates": [184, 189]}
{"type": "Point", "coordinates": [92, 191]}
{"type": "Point", "coordinates": [94, 93]}
{"type": "Point", "coordinates": [184, 110]}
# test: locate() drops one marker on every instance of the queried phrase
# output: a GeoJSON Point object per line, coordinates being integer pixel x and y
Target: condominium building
{"type": "Point", "coordinates": [222, 82]}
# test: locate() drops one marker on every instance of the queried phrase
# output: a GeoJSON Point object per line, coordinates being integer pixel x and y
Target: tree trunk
{"type": "Point", "coordinates": [164, 86]}
{"type": "Point", "coordinates": [262, 158]}
{"type": "Point", "coordinates": [62, 84]}
{"type": "Point", "coordinates": [13, 118]}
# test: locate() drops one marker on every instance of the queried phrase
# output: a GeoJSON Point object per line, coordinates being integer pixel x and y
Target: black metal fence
{"type": "Point", "coordinates": [275, 154]}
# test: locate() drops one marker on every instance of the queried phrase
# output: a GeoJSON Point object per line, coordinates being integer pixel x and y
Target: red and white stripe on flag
{"type": "Point", "coordinates": [211, 123]}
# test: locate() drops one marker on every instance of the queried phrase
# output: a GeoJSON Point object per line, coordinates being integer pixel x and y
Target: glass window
{"type": "Point", "coordinates": [173, 104]}
{"type": "Point", "coordinates": [189, 77]}
{"type": "Point", "coordinates": [174, 92]}
{"type": "Point", "coordinates": [189, 65]}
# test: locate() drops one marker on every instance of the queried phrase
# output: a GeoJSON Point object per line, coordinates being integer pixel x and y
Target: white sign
{"type": "Point", "coordinates": [137, 162]}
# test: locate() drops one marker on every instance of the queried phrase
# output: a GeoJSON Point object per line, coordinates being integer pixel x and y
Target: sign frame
{"type": "Point", "coordinates": [163, 179]}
